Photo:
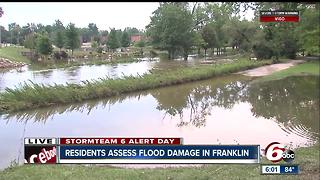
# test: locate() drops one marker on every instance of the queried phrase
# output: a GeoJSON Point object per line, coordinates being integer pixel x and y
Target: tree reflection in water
{"type": "Point", "coordinates": [193, 102]}
{"type": "Point", "coordinates": [293, 102]}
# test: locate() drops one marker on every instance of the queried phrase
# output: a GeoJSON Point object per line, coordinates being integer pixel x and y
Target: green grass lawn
{"type": "Point", "coordinates": [307, 158]}
{"type": "Point", "coordinates": [308, 68]}
{"type": "Point", "coordinates": [14, 54]}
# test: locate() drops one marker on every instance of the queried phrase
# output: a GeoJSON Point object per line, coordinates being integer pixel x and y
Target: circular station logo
{"type": "Point", "coordinates": [276, 152]}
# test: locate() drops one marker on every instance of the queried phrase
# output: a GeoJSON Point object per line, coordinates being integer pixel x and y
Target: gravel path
{"type": "Point", "coordinates": [269, 69]}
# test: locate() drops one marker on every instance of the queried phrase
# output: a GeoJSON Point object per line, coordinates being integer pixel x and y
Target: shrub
{"type": "Point", "coordinates": [262, 50]}
{"type": "Point", "coordinates": [60, 55]}
{"type": "Point", "coordinates": [99, 50]}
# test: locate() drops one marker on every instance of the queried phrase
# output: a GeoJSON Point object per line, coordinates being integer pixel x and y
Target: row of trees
{"type": "Point", "coordinates": [40, 42]}
{"type": "Point", "coordinates": [179, 26]}
{"type": "Point", "coordinates": [69, 37]}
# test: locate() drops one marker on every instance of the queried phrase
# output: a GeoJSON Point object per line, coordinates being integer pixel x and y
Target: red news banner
{"type": "Point", "coordinates": [279, 16]}
{"type": "Point", "coordinates": [120, 141]}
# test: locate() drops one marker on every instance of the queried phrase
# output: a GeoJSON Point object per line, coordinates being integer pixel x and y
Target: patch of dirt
{"type": "Point", "coordinates": [269, 69]}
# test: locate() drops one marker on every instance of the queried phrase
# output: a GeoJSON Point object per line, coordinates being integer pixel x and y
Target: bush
{"type": "Point", "coordinates": [289, 48]}
{"type": "Point", "coordinates": [99, 50]}
{"type": "Point", "coordinates": [275, 59]}
{"type": "Point", "coordinates": [64, 55]}
{"type": "Point", "coordinates": [153, 53]}
{"type": "Point", "coordinates": [60, 55]}
{"type": "Point", "coordinates": [262, 50]}
{"type": "Point", "coordinates": [56, 55]}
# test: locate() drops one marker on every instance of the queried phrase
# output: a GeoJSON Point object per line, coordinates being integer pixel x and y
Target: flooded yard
{"type": "Point", "coordinates": [15, 77]}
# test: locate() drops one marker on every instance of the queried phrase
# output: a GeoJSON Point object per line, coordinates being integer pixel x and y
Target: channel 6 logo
{"type": "Point", "coordinates": [276, 152]}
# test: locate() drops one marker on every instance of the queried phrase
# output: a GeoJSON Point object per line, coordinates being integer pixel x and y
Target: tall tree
{"type": "Point", "coordinates": [59, 39]}
{"type": "Point", "coordinates": [113, 42]}
{"type": "Point", "coordinates": [93, 32]}
{"type": "Point", "coordinates": [132, 31]}
{"type": "Point", "coordinates": [171, 28]}
{"type": "Point", "coordinates": [309, 29]}
{"type": "Point", "coordinates": [57, 26]}
{"type": "Point", "coordinates": [15, 30]}
{"type": "Point", "coordinates": [72, 38]}
{"type": "Point", "coordinates": [30, 41]}
{"type": "Point", "coordinates": [209, 36]}
{"type": "Point", "coordinates": [125, 40]}
{"type": "Point", "coordinates": [44, 45]}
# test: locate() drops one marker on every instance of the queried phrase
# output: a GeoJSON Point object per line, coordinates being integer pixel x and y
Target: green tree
{"type": "Point", "coordinates": [94, 45]}
{"type": "Point", "coordinates": [132, 31]}
{"type": "Point", "coordinates": [309, 29]}
{"type": "Point", "coordinates": [5, 35]}
{"type": "Point", "coordinates": [125, 40]}
{"type": "Point", "coordinates": [59, 39]}
{"type": "Point", "coordinates": [140, 44]}
{"type": "Point", "coordinates": [171, 28]}
{"type": "Point", "coordinates": [72, 38]}
{"type": "Point", "coordinates": [57, 26]}
{"type": "Point", "coordinates": [113, 42]}
{"type": "Point", "coordinates": [93, 31]}
{"type": "Point", "coordinates": [14, 30]}
{"type": "Point", "coordinates": [30, 41]}
{"type": "Point", "coordinates": [44, 45]}
{"type": "Point", "coordinates": [209, 36]}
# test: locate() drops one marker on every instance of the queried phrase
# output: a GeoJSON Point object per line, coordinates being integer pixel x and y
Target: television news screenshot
{"type": "Point", "coordinates": [159, 90]}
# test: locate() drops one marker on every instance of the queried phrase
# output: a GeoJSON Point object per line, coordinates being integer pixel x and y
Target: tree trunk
{"type": "Point", "coordinates": [185, 54]}
{"type": "Point", "coordinates": [205, 53]}
{"type": "Point", "coordinates": [171, 54]}
{"type": "Point", "coordinates": [198, 52]}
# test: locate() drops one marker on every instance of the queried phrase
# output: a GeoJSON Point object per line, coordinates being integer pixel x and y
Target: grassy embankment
{"type": "Point", "coordinates": [307, 158]}
{"type": "Point", "coordinates": [14, 54]}
{"type": "Point", "coordinates": [32, 96]}
{"type": "Point", "coordinates": [308, 68]}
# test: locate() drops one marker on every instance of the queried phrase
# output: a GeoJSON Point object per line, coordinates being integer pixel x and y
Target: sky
{"type": "Point", "coordinates": [106, 15]}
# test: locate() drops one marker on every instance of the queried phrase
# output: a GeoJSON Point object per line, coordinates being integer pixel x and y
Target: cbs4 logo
{"type": "Point", "coordinates": [276, 152]}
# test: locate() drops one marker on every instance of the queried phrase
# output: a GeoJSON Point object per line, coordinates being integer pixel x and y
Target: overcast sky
{"type": "Point", "coordinates": [106, 15]}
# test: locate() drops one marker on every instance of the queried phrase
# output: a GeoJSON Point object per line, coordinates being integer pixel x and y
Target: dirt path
{"type": "Point", "coordinates": [269, 69]}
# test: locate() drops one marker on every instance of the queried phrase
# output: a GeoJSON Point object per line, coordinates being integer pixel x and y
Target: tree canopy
{"type": "Point", "coordinates": [72, 37]}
